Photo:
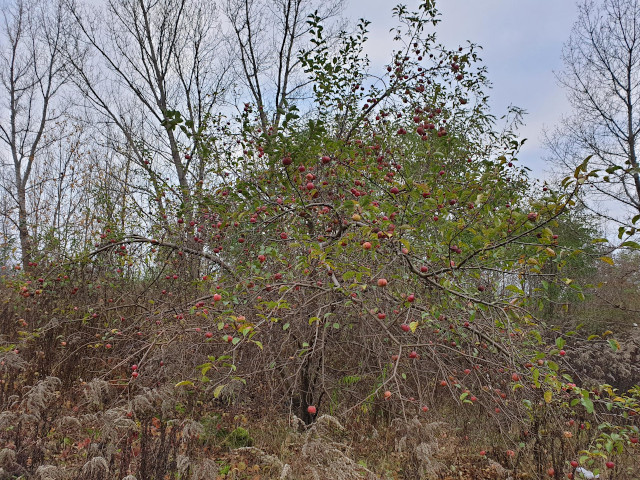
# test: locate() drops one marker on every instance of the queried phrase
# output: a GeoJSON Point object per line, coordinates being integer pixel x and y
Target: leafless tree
{"type": "Point", "coordinates": [267, 38]}
{"type": "Point", "coordinates": [140, 62]}
{"type": "Point", "coordinates": [32, 76]}
{"type": "Point", "coordinates": [602, 79]}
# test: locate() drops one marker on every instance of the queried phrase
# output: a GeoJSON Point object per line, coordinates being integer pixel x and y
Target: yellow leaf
{"type": "Point", "coordinates": [547, 396]}
{"type": "Point", "coordinates": [184, 383]}
{"type": "Point", "coordinates": [413, 326]}
{"type": "Point", "coordinates": [608, 260]}
{"type": "Point", "coordinates": [218, 391]}
{"type": "Point", "coordinates": [550, 252]}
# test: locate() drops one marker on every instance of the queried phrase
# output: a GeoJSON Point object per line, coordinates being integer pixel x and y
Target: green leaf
{"type": "Point", "coordinates": [184, 383]}
{"type": "Point", "coordinates": [588, 404]}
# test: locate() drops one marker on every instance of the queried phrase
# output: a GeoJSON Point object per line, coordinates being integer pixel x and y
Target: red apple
{"type": "Point", "coordinates": [382, 282]}
{"type": "Point", "coordinates": [311, 410]}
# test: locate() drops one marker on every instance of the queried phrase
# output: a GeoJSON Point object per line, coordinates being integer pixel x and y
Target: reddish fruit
{"type": "Point", "coordinates": [532, 217]}
{"type": "Point", "coordinates": [411, 298]}
{"type": "Point", "coordinates": [551, 472]}
{"type": "Point", "coordinates": [443, 383]}
{"type": "Point", "coordinates": [382, 316]}
{"type": "Point", "coordinates": [134, 374]}
{"type": "Point", "coordinates": [217, 297]}
{"type": "Point", "coordinates": [394, 190]}
{"type": "Point", "coordinates": [284, 236]}
{"type": "Point", "coordinates": [262, 258]}
{"type": "Point", "coordinates": [208, 334]}
{"type": "Point", "coordinates": [108, 345]}
{"type": "Point", "coordinates": [394, 358]}
{"type": "Point", "coordinates": [326, 159]}
{"type": "Point", "coordinates": [425, 408]}
{"type": "Point", "coordinates": [382, 282]}
{"type": "Point", "coordinates": [286, 161]}
{"type": "Point", "coordinates": [515, 377]}
{"type": "Point", "coordinates": [366, 245]}
{"type": "Point", "coordinates": [387, 394]}
{"type": "Point", "coordinates": [413, 354]}
{"type": "Point", "coordinates": [467, 371]}
{"type": "Point", "coordinates": [311, 410]}
{"type": "Point", "coordinates": [610, 465]}
{"type": "Point", "coordinates": [574, 464]}
{"type": "Point", "coordinates": [424, 269]}
{"type": "Point", "coordinates": [633, 439]}
{"type": "Point", "coordinates": [405, 327]}
{"type": "Point", "coordinates": [483, 453]}
{"type": "Point", "coordinates": [310, 186]}
{"type": "Point", "coordinates": [562, 353]}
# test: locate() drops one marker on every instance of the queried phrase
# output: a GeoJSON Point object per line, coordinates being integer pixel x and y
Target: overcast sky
{"type": "Point", "coordinates": [522, 44]}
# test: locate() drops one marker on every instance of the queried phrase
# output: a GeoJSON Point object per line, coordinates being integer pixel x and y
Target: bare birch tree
{"type": "Point", "coordinates": [32, 76]}
{"type": "Point", "coordinates": [602, 80]}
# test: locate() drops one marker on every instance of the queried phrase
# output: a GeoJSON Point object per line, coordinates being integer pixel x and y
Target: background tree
{"type": "Point", "coordinates": [602, 80]}
{"type": "Point", "coordinates": [32, 76]}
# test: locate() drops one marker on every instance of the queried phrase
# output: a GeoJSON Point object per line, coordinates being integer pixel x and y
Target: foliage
{"type": "Point", "coordinates": [378, 257]}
